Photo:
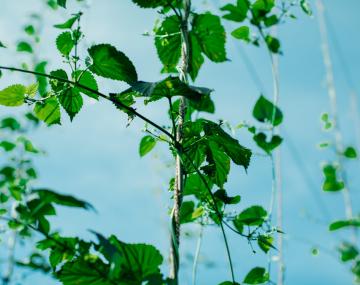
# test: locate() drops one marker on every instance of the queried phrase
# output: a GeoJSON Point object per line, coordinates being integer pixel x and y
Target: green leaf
{"type": "Point", "coordinates": [265, 111]}
{"type": "Point", "coordinates": [229, 283]}
{"type": "Point", "coordinates": [71, 101]}
{"type": "Point", "coordinates": [24, 47]}
{"type": "Point", "coordinates": [146, 145]}
{"type": "Point", "coordinates": [350, 152]}
{"type": "Point", "coordinates": [196, 57]}
{"type": "Point", "coordinates": [13, 95]}
{"type": "Point", "coordinates": [10, 123]}
{"type": "Point", "coordinates": [253, 216]}
{"type": "Point", "coordinates": [221, 163]}
{"type": "Point", "coordinates": [273, 44]}
{"type": "Point", "coordinates": [32, 89]}
{"type": "Point", "coordinates": [222, 195]}
{"type": "Point", "coordinates": [62, 3]}
{"type": "Point", "coordinates": [68, 24]}
{"type": "Point", "coordinates": [65, 43]}
{"type": "Point", "coordinates": [344, 224]}
{"type": "Point", "coordinates": [152, 3]}
{"type": "Point", "coordinates": [257, 275]}
{"type": "Point", "coordinates": [2, 45]}
{"type": "Point", "coordinates": [348, 251]}
{"type": "Point", "coordinates": [186, 211]}
{"type": "Point", "coordinates": [242, 33]}
{"type": "Point", "coordinates": [268, 147]}
{"type": "Point", "coordinates": [110, 63]}
{"type": "Point", "coordinates": [30, 30]}
{"type": "Point", "coordinates": [56, 85]}
{"type": "Point", "coordinates": [168, 43]}
{"type": "Point", "coordinates": [41, 68]}
{"type": "Point", "coordinates": [7, 146]}
{"type": "Point", "coordinates": [48, 196]}
{"type": "Point", "coordinates": [238, 154]}
{"type": "Point", "coordinates": [236, 13]}
{"type": "Point", "coordinates": [331, 182]}
{"type": "Point", "coordinates": [265, 243]}
{"type": "Point", "coordinates": [48, 111]}
{"type": "Point", "coordinates": [305, 6]}
{"type": "Point", "coordinates": [211, 36]}
{"type": "Point", "coordinates": [86, 79]}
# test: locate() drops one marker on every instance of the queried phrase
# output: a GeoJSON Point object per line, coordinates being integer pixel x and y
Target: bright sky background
{"type": "Point", "coordinates": [96, 156]}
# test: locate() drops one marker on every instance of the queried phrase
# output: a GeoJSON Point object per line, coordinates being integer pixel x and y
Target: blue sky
{"type": "Point", "coordinates": [96, 156]}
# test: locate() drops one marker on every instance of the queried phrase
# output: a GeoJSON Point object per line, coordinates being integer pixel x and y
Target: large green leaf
{"type": "Point", "coordinates": [110, 63]}
{"type": "Point", "coordinates": [168, 43]}
{"type": "Point", "coordinates": [266, 112]}
{"type": "Point", "coordinates": [48, 111]}
{"type": "Point", "coordinates": [13, 95]}
{"type": "Point", "coordinates": [211, 36]}
{"type": "Point", "coordinates": [221, 163]}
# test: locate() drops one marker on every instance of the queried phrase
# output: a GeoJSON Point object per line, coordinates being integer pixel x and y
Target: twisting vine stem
{"type": "Point", "coordinates": [179, 172]}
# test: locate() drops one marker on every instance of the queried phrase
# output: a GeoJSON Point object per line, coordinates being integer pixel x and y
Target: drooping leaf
{"type": "Point", "coordinates": [146, 145]}
{"type": "Point", "coordinates": [13, 95]}
{"type": "Point", "coordinates": [221, 164]}
{"type": "Point", "coordinates": [65, 43]}
{"type": "Point", "coordinates": [257, 275]}
{"type": "Point", "coordinates": [273, 44]}
{"type": "Point", "coordinates": [41, 68]}
{"type": "Point", "coordinates": [211, 36]}
{"type": "Point", "coordinates": [71, 101]}
{"type": "Point", "coordinates": [48, 196]}
{"type": "Point", "coordinates": [238, 154]}
{"type": "Point", "coordinates": [266, 112]}
{"type": "Point", "coordinates": [196, 57]}
{"type": "Point", "coordinates": [265, 243]}
{"type": "Point", "coordinates": [110, 63]}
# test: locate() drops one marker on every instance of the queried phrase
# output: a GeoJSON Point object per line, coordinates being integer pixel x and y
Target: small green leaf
{"type": "Point", "coordinates": [266, 112]}
{"type": "Point", "coordinates": [68, 24]}
{"type": "Point", "coordinates": [348, 251]}
{"type": "Point", "coordinates": [305, 6]}
{"type": "Point", "coordinates": [32, 89]}
{"type": "Point", "coordinates": [265, 243]}
{"type": "Point", "coordinates": [13, 95]}
{"type": "Point", "coordinates": [65, 43]}
{"type": "Point", "coordinates": [350, 152]}
{"type": "Point", "coordinates": [273, 44]}
{"type": "Point", "coordinates": [223, 197]}
{"type": "Point", "coordinates": [146, 145]}
{"type": "Point", "coordinates": [110, 63]}
{"type": "Point", "coordinates": [331, 182]}
{"type": "Point", "coordinates": [30, 30]}
{"type": "Point", "coordinates": [2, 45]}
{"type": "Point", "coordinates": [24, 47]}
{"type": "Point", "coordinates": [242, 33]}
{"type": "Point", "coordinates": [236, 13]}
{"type": "Point", "coordinates": [257, 275]}
{"type": "Point", "coordinates": [267, 146]}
